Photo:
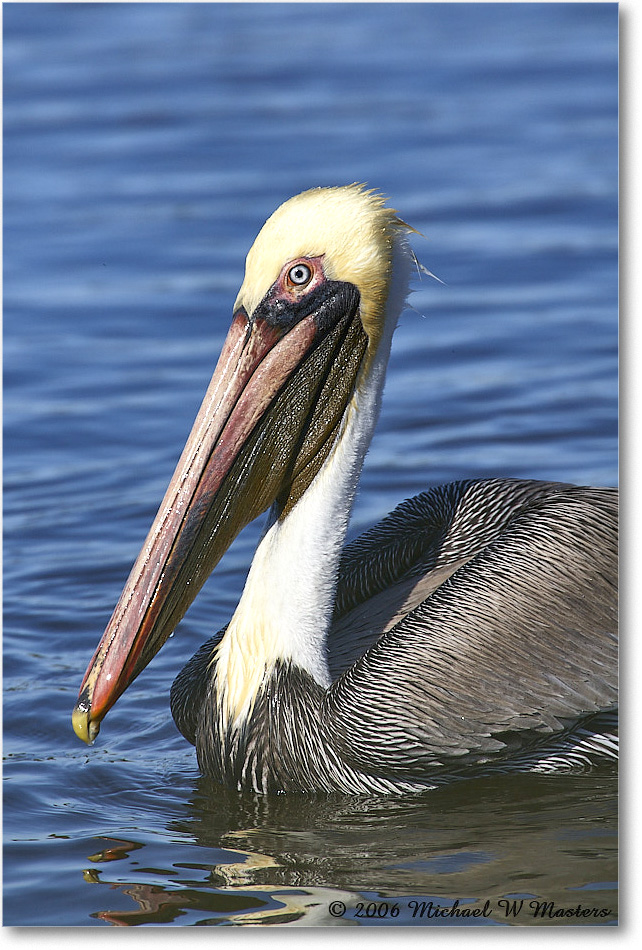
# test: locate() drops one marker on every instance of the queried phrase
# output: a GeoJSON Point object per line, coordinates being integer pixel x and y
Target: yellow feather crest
{"type": "Point", "coordinates": [349, 225]}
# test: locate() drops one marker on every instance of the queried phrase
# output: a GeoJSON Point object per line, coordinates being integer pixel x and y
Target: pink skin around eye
{"type": "Point", "coordinates": [289, 291]}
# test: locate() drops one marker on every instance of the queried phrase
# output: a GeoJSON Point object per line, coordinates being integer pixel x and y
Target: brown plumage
{"type": "Point", "coordinates": [510, 664]}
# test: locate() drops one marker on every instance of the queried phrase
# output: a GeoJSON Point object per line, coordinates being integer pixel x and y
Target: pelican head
{"type": "Point", "coordinates": [309, 340]}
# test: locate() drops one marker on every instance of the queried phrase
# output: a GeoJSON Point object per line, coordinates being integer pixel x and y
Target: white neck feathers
{"type": "Point", "coordinates": [286, 606]}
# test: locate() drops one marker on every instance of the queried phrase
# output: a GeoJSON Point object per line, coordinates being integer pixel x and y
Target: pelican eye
{"type": "Point", "coordinates": [300, 275]}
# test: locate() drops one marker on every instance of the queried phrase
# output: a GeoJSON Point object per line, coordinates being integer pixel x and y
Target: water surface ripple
{"type": "Point", "coordinates": [144, 146]}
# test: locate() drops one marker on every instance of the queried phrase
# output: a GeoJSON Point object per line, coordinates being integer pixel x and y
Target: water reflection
{"type": "Point", "coordinates": [262, 905]}
{"type": "Point", "coordinates": [548, 843]}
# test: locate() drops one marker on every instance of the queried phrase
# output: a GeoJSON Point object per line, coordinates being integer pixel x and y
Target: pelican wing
{"type": "Point", "coordinates": [517, 644]}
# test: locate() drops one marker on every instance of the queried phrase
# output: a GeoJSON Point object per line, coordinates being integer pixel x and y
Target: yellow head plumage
{"type": "Point", "coordinates": [349, 225]}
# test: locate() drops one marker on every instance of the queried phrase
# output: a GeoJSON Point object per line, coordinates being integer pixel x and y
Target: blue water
{"type": "Point", "coordinates": [144, 146]}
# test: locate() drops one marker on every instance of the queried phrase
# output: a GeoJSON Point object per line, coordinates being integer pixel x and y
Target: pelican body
{"type": "Point", "coordinates": [471, 631]}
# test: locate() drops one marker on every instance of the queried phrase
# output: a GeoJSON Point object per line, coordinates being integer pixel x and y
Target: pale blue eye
{"type": "Point", "coordinates": [300, 274]}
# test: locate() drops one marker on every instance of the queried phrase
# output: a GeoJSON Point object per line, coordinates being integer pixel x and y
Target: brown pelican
{"type": "Point", "coordinates": [473, 630]}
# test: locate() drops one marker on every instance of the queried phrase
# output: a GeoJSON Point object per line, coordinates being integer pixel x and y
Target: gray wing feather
{"type": "Point", "coordinates": [518, 644]}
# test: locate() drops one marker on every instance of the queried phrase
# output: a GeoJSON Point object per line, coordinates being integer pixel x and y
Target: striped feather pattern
{"type": "Point", "coordinates": [510, 662]}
